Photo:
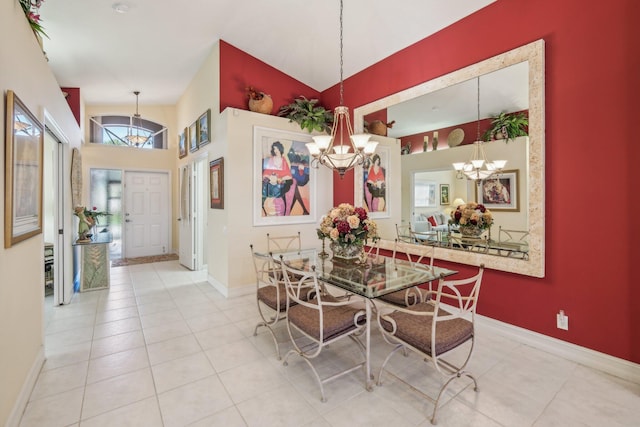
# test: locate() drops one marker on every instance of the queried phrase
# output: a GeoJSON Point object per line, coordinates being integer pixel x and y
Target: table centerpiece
{"type": "Point", "coordinates": [472, 219]}
{"type": "Point", "coordinates": [348, 229]}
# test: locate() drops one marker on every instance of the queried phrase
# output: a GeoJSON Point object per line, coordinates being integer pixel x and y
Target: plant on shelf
{"type": "Point", "coordinates": [308, 114]}
{"type": "Point", "coordinates": [507, 126]}
{"type": "Point", "coordinates": [31, 10]}
{"type": "Point", "coordinates": [92, 216]}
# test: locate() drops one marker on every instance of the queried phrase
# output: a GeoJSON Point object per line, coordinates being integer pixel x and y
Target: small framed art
{"type": "Point", "coordinates": [444, 194]}
{"type": "Point", "coordinates": [182, 143]}
{"type": "Point", "coordinates": [216, 183]}
{"type": "Point", "coordinates": [193, 137]}
{"type": "Point", "coordinates": [500, 191]}
{"type": "Point", "coordinates": [204, 126]}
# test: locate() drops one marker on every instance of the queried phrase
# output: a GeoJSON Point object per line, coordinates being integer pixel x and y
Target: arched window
{"type": "Point", "coordinates": [129, 131]}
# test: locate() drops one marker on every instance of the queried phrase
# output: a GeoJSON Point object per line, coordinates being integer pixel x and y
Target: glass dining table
{"type": "Point", "coordinates": [370, 278]}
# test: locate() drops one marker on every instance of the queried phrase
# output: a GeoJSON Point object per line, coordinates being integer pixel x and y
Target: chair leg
{"type": "Point", "coordinates": [273, 336]}
{"type": "Point", "coordinates": [313, 369]}
{"type": "Point", "coordinates": [398, 347]}
{"type": "Point", "coordinates": [443, 388]}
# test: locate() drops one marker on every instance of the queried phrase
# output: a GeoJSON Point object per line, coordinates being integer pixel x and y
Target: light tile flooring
{"type": "Point", "coordinates": [159, 349]}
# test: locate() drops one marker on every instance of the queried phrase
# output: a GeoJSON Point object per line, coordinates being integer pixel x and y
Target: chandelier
{"type": "Point", "coordinates": [136, 140]}
{"type": "Point", "coordinates": [338, 151]}
{"type": "Point", "coordinates": [478, 167]}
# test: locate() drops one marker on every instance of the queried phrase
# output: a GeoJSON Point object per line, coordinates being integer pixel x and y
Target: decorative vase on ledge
{"type": "Point", "coordinates": [346, 253]}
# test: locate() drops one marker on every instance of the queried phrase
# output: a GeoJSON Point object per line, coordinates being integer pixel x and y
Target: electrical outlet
{"type": "Point", "coordinates": [562, 320]}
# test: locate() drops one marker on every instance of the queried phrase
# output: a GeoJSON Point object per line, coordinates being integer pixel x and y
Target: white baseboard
{"type": "Point", "coordinates": [233, 292]}
{"type": "Point", "coordinates": [621, 368]}
{"type": "Point", "coordinates": [25, 392]}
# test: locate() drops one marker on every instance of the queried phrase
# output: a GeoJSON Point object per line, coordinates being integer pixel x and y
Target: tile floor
{"type": "Point", "coordinates": [160, 349]}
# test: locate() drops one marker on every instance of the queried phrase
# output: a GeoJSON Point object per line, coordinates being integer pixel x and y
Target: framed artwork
{"type": "Point", "coordinates": [24, 148]}
{"type": "Point", "coordinates": [444, 194]}
{"type": "Point", "coordinates": [216, 183]}
{"type": "Point", "coordinates": [182, 143]}
{"type": "Point", "coordinates": [193, 137]}
{"type": "Point", "coordinates": [373, 186]}
{"type": "Point", "coordinates": [204, 128]}
{"type": "Point", "coordinates": [500, 191]}
{"type": "Point", "coordinates": [284, 184]}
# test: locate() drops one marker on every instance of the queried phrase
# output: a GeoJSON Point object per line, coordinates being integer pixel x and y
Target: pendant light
{"type": "Point", "coordinates": [136, 140]}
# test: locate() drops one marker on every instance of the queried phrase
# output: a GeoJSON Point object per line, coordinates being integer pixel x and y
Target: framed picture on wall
{"type": "Point", "coordinates": [500, 191]}
{"type": "Point", "coordinates": [24, 150]}
{"type": "Point", "coordinates": [204, 128]}
{"type": "Point", "coordinates": [216, 183]}
{"type": "Point", "coordinates": [284, 184]}
{"type": "Point", "coordinates": [444, 194]}
{"type": "Point", "coordinates": [373, 186]}
{"type": "Point", "coordinates": [182, 143]}
{"type": "Point", "coordinates": [193, 137]}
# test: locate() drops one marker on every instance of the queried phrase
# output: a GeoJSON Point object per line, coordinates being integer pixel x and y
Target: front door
{"type": "Point", "coordinates": [146, 214]}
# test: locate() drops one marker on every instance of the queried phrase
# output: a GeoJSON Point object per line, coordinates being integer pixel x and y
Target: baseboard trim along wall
{"type": "Point", "coordinates": [27, 388]}
{"type": "Point", "coordinates": [621, 368]}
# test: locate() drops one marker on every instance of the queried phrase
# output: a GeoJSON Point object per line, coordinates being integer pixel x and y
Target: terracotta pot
{"type": "Point", "coordinates": [264, 105]}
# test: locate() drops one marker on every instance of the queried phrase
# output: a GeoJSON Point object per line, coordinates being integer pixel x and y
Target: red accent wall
{"type": "Point", "coordinates": [73, 99]}
{"type": "Point", "coordinates": [239, 70]}
{"type": "Point", "coordinates": [592, 87]}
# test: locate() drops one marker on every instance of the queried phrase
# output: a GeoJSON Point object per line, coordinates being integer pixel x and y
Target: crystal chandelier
{"type": "Point", "coordinates": [136, 140]}
{"type": "Point", "coordinates": [338, 151]}
{"type": "Point", "coordinates": [478, 167]}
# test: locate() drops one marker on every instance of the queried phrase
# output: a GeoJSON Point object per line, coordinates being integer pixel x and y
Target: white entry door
{"type": "Point", "coordinates": [146, 214]}
{"type": "Point", "coordinates": [185, 227]}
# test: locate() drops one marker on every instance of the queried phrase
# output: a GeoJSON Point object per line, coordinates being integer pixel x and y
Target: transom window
{"type": "Point", "coordinates": [129, 131]}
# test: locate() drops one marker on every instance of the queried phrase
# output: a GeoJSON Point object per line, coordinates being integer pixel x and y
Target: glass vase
{"type": "Point", "coordinates": [349, 253]}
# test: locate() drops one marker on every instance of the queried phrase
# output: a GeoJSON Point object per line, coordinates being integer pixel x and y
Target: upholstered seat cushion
{"type": "Point", "coordinates": [415, 295]}
{"type": "Point", "coordinates": [416, 330]}
{"type": "Point", "coordinates": [271, 298]}
{"type": "Point", "coordinates": [337, 319]}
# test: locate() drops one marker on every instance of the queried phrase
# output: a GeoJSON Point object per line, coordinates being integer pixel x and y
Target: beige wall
{"type": "Point", "coordinates": [25, 71]}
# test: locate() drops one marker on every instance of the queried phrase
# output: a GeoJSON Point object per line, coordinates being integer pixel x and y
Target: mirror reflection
{"type": "Point", "coordinates": [436, 124]}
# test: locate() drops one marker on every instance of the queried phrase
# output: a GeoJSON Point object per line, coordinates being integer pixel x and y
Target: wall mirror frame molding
{"type": "Point", "coordinates": [533, 53]}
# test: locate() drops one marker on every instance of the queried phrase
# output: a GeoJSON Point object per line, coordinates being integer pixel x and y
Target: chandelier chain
{"type": "Point", "coordinates": [341, 60]}
{"type": "Point", "coordinates": [478, 124]}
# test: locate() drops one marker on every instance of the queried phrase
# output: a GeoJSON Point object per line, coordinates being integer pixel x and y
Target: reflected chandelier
{"type": "Point", "coordinates": [341, 155]}
{"type": "Point", "coordinates": [136, 140]}
{"type": "Point", "coordinates": [473, 169]}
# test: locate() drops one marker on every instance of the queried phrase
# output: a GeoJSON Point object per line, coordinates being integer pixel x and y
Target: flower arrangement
{"type": "Point", "coordinates": [91, 216]}
{"type": "Point", "coordinates": [472, 215]}
{"type": "Point", "coordinates": [347, 226]}
{"type": "Point", "coordinates": [31, 10]}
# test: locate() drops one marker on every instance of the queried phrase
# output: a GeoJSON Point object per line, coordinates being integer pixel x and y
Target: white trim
{"type": "Point", "coordinates": [621, 368]}
{"type": "Point", "coordinates": [238, 291]}
{"type": "Point", "coordinates": [25, 391]}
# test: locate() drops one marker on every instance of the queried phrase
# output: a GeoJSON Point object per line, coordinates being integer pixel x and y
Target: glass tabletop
{"type": "Point", "coordinates": [371, 278]}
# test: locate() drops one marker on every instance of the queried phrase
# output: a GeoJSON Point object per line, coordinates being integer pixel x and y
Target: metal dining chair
{"type": "Point", "coordinates": [320, 318]}
{"type": "Point", "coordinates": [414, 295]}
{"type": "Point", "coordinates": [433, 330]}
{"type": "Point", "coordinates": [283, 243]}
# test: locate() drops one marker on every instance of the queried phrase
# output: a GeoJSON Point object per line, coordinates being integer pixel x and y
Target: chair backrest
{"type": "Point", "coordinates": [373, 249]}
{"type": "Point", "coordinates": [516, 236]}
{"type": "Point", "coordinates": [403, 232]}
{"type": "Point", "coordinates": [421, 253]}
{"type": "Point", "coordinates": [283, 243]}
{"type": "Point", "coordinates": [301, 284]}
{"type": "Point", "coordinates": [265, 268]}
{"type": "Point", "coordinates": [461, 297]}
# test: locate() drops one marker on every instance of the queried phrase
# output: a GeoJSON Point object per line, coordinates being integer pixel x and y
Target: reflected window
{"type": "Point", "coordinates": [127, 131]}
{"type": "Point", "coordinates": [424, 194]}
{"type": "Point", "coordinates": [106, 196]}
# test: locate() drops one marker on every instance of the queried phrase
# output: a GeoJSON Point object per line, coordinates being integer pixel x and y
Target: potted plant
{"type": "Point", "coordinates": [308, 114]}
{"type": "Point", "coordinates": [259, 102]}
{"type": "Point", "coordinates": [507, 126]}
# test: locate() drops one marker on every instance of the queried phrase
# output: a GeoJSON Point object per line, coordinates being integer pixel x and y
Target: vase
{"type": "Point", "coordinates": [264, 105]}
{"type": "Point", "coordinates": [471, 230]}
{"type": "Point", "coordinates": [346, 253]}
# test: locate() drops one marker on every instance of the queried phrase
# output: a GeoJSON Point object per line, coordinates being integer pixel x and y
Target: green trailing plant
{"type": "Point", "coordinates": [31, 9]}
{"type": "Point", "coordinates": [507, 126]}
{"type": "Point", "coordinates": [308, 114]}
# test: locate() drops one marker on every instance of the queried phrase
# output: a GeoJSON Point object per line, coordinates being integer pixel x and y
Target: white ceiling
{"type": "Point", "coordinates": [158, 45]}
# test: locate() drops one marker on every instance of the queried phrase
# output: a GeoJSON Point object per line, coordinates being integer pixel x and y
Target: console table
{"type": "Point", "coordinates": [91, 263]}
